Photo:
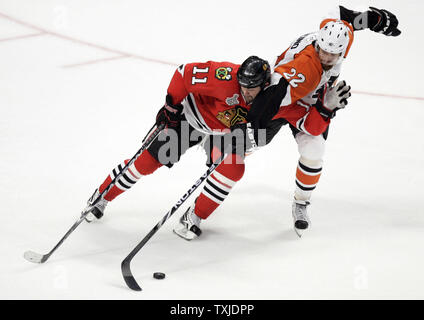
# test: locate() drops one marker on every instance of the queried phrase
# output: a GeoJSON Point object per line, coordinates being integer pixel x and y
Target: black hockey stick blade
{"type": "Point", "coordinates": [128, 277]}
{"type": "Point", "coordinates": [35, 257]}
{"type": "Point", "coordinates": [125, 265]}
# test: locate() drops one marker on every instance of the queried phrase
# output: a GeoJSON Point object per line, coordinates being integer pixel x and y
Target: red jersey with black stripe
{"type": "Point", "coordinates": [210, 94]}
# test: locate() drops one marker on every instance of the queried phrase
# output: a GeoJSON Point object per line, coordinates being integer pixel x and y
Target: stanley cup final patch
{"type": "Point", "coordinates": [232, 101]}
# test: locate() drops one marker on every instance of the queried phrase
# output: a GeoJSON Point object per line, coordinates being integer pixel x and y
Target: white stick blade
{"type": "Point", "coordinates": [34, 257]}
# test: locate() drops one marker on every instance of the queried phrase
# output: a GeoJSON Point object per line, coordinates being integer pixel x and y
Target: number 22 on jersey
{"type": "Point", "coordinates": [294, 81]}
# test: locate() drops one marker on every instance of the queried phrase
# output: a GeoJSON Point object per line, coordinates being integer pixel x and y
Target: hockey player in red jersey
{"type": "Point", "coordinates": [204, 101]}
{"type": "Point", "coordinates": [304, 92]}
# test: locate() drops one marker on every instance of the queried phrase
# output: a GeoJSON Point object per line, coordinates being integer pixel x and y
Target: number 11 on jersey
{"type": "Point", "coordinates": [197, 70]}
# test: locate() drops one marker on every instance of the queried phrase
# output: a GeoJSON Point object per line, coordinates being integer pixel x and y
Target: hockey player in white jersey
{"type": "Point", "coordinates": [304, 92]}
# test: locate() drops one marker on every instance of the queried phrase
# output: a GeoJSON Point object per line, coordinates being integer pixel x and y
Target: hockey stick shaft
{"type": "Point", "coordinates": [148, 139]}
{"type": "Point", "coordinates": [38, 258]}
{"type": "Point", "coordinates": [126, 263]}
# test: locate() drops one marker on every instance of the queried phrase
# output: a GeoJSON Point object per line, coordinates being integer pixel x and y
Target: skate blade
{"type": "Point", "coordinates": [299, 232]}
{"type": "Point", "coordinates": [185, 234]}
{"type": "Point", "coordinates": [90, 217]}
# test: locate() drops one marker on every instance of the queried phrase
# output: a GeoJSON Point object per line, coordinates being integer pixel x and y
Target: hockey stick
{"type": "Point", "coordinates": [35, 257]}
{"type": "Point", "coordinates": [126, 263]}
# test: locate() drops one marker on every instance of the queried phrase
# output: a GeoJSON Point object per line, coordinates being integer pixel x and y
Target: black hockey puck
{"type": "Point", "coordinates": [159, 275]}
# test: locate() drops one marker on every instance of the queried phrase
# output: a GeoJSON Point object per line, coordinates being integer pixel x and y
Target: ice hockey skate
{"type": "Point", "coordinates": [300, 216]}
{"type": "Point", "coordinates": [189, 225]}
{"type": "Point", "coordinates": [98, 209]}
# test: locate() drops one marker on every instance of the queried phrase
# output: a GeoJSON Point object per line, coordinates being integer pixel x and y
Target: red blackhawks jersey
{"type": "Point", "coordinates": [210, 94]}
{"type": "Point", "coordinates": [301, 67]}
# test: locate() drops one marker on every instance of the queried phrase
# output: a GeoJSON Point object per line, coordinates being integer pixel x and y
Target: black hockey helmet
{"type": "Point", "coordinates": [254, 72]}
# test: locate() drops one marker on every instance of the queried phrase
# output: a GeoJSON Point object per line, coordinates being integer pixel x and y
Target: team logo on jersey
{"type": "Point", "coordinates": [298, 41]}
{"type": "Point", "coordinates": [223, 73]}
{"type": "Point", "coordinates": [232, 116]}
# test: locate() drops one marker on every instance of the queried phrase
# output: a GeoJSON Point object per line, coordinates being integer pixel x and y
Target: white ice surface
{"type": "Point", "coordinates": [64, 126]}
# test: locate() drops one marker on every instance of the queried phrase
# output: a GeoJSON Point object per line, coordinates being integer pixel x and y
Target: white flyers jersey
{"type": "Point", "coordinates": [301, 67]}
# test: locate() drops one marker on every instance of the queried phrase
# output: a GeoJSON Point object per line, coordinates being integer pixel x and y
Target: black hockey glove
{"type": "Point", "coordinates": [333, 99]}
{"type": "Point", "coordinates": [383, 21]}
{"type": "Point", "coordinates": [169, 114]}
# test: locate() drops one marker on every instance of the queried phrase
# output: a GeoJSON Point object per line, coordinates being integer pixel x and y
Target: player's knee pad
{"type": "Point", "coordinates": [310, 147]}
{"type": "Point", "coordinates": [146, 163]}
{"type": "Point", "coordinates": [232, 167]}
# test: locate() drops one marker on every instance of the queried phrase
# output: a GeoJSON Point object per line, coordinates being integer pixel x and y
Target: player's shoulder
{"type": "Point", "coordinates": [300, 49]}
{"type": "Point", "coordinates": [305, 60]}
{"type": "Point", "coordinates": [224, 70]}
{"type": "Point", "coordinates": [211, 78]}
{"type": "Point", "coordinates": [302, 42]}
{"type": "Point", "coordinates": [221, 71]}
{"type": "Point", "coordinates": [309, 57]}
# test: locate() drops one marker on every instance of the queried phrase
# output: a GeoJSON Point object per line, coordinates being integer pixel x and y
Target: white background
{"type": "Point", "coordinates": [80, 85]}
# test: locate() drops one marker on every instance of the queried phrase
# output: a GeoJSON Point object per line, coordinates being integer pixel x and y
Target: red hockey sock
{"type": "Point", "coordinates": [218, 185]}
{"type": "Point", "coordinates": [144, 165]}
